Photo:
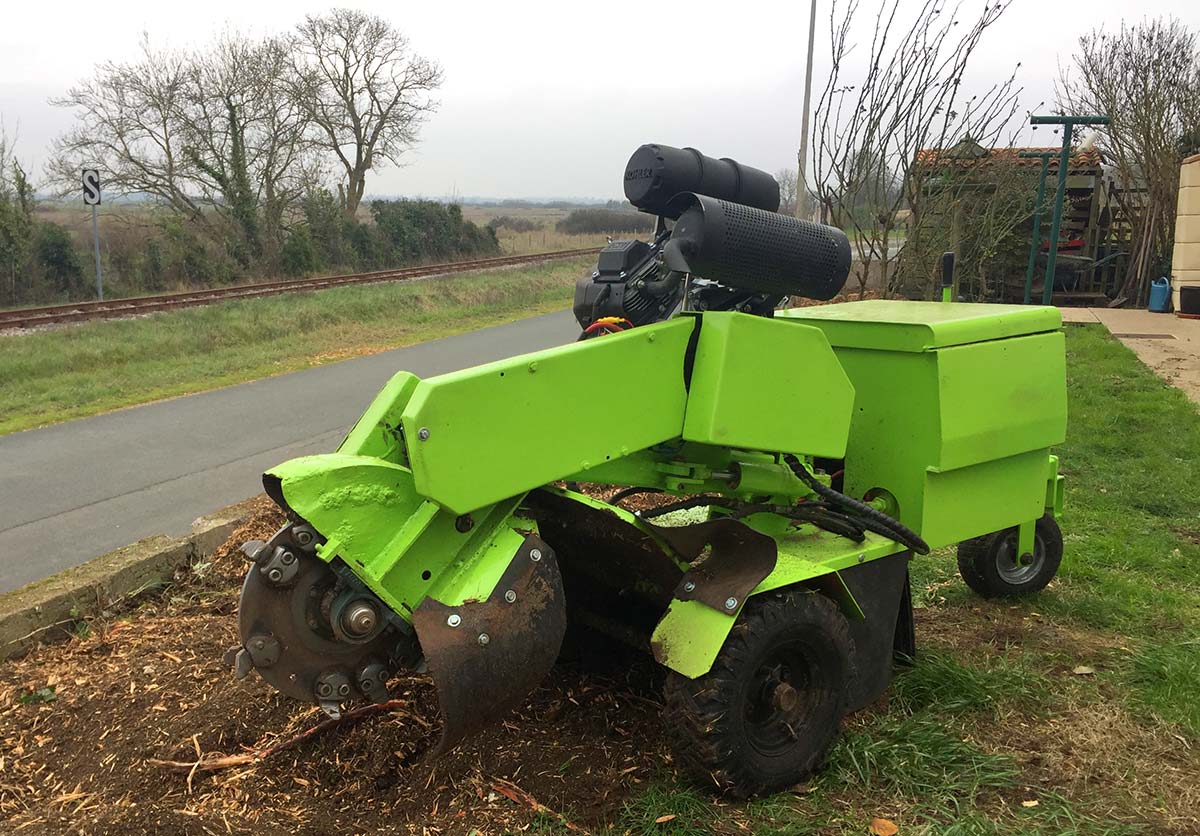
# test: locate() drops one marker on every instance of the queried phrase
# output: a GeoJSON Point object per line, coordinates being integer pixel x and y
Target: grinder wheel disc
{"type": "Point", "coordinates": [286, 631]}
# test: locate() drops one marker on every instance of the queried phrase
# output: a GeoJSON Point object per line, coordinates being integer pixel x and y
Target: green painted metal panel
{"type": "Point", "coordinates": [377, 432]}
{"type": "Point", "coordinates": [1054, 489]}
{"type": "Point", "coordinates": [959, 435]}
{"type": "Point", "coordinates": [504, 428]}
{"type": "Point", "coordinates": [807, 552]}
{"type": "Point", "coordinates": [402, 546]}
{"type": "Point", "coordinates": [982, 498]}
{"type": "Point", "coordinates": [919, 326]}
{"type": "Point", "coordinates": [690, 634]}
{"type": "Point", "coordinates": [763, 384]}
{"type": "Point", "coordinates": [1000, 398]}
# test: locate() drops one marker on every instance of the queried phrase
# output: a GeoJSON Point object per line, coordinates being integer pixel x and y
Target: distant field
{"type": "Point", "coordinates": [74, 371]}
{"type": "Point", "coordinates": [541, 240]}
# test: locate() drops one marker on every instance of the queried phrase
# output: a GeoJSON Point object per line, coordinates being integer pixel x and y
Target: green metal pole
{"type": "Point", "coordinates": [1036, 243]}
{"type": "Point", "coordinates": [1064, 163]}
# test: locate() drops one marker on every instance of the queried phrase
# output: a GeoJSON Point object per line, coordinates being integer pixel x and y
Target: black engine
{"type": "Point", "coordinates": [719, 245]}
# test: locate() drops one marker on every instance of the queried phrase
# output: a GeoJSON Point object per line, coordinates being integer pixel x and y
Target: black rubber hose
{"type": "Point", "coordinates": [893, 528]}
{"type": "Point", "coordinates": [833, 522]}
{"type": "Point", "coordinates": [701, 501]}
{"type": "Point", "coordinates": [625, 493]}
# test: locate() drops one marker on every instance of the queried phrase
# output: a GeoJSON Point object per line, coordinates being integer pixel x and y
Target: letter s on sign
{"type": "Point", "coordinates": [91, 187]}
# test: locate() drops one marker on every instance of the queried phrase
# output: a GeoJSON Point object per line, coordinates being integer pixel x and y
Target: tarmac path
{"type": "Point", "coordinates": [72, 491]}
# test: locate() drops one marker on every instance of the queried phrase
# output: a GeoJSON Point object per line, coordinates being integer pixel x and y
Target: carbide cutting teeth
{"type": "Point", "coordinates": [251, 549]}
{"type": "Point", "coordinates": [242, 664]}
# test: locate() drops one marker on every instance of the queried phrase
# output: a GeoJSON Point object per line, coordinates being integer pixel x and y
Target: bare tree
{"type": "Point", "coordinates": [868, 128]}
{"type": "Point", "coordinates": [129, 123]}
{"type": "Point", "coordinates": [366, 92]}
{"type": "Point", "coordinates": [247, 138]}
{"type": "Point", "coordinates": [1146, 79]}
{"type": "Point", "coordinates": [786, 177]}
{"type": "Point", "coordinates": [215, 136]}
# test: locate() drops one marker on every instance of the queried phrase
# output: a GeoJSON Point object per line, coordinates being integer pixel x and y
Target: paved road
{"type": "Point", "coordinates": [73, 491]}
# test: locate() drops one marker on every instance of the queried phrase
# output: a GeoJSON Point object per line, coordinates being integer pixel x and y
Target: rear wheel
{"type": "Point", "coordinates": [992, 567]}
{"type": "Point", "coordinates": [765, 715]}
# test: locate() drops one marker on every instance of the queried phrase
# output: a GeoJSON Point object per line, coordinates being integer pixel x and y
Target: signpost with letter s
{"type": "Point", "coordinates": [91, 197]}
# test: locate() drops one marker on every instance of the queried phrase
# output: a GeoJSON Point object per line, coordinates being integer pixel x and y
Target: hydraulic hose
{"type": "Point", "coordinates": [876, 519]}
{"type": "Point", "coordinates": [625, 493]}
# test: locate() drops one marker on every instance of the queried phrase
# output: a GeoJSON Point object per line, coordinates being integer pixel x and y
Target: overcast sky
{"type": "Point", "coordinates": [545, 99]}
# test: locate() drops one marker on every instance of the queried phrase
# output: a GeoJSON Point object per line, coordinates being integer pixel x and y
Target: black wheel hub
{"type": "Point", "coordinates": [781, 699]}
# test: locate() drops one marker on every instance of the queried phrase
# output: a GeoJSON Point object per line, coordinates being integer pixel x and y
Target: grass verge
{"type": "Point", "coordinates": [71, 372]}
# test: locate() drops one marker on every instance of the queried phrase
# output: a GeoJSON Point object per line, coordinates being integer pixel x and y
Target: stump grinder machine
{"type": "Point", "coordinates": [798, 458]}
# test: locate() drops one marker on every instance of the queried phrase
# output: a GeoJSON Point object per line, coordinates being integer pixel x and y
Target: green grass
{"type": "Point", "coordinates": [957, 747]}
{"type": "Point", "coordinates": [81, 370]}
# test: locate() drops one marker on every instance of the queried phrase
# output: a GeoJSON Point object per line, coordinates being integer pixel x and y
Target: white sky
{"type": "Point", "coordinates": [546, 98]}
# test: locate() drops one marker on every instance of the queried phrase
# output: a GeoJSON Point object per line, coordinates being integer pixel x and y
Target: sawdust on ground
{"type": "Point", "coordinates": [150, 684]}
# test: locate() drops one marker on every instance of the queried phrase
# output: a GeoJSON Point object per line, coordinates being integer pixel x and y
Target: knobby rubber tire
{"type": "Point", "coordinates": [977, 560]}
{"type": "Point", "coordinates": [707, 723]}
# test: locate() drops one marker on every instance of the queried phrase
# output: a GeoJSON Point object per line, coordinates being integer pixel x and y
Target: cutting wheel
{"type": "Point", "coordinates": [288, 632]}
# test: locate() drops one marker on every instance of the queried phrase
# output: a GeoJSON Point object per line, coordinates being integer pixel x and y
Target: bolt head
{"type": "Point", "coordinates": [689, 587]}
{"type": "Point", "coordinates": [275, 574]}
{"type": "Point", "coordinates": [304, 537]}
{"type": "Point", "coordinates": [423, 433]}
{"type": "Point", "coordinates": [344, 689]}
{"type": "Point", "coordinates": [360, 618]}
{"type": "Point", "coordinates": [535, 555]}
{"type": "Point", "coordinates": [454, 620]}
{"type": "Point", "coordinates": [510, 596]}
{"type": "Point", "coordinates": [324, 689]}
{"type": "Point", "coordinates": [287, 558]}
{"type": "Point", "coordinates": [731, 603]}
{"type": "Point", "coordinates": [484, 638]}
{"type": "Point", "coordinates": [862, 556]}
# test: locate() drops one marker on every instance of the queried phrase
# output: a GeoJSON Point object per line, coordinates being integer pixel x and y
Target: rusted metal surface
{"type": "Point", "coordinates": [486, 656]}
{"type": "Point", "coordinates": [738, 559]}
{"type": "Point", "coordinates": [285, 632]}
{"type": "Point", "coordinates": [603, 549]}
{"type": "Point", "coordinates": [136, 305]}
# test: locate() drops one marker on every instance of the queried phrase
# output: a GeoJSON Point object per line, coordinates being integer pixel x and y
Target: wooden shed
{"type": "Point", "coordinates": [1094, 237]}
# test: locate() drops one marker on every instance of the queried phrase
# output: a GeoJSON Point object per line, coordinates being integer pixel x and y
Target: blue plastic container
{"type": "Point", "coordinates": [1160, 295]}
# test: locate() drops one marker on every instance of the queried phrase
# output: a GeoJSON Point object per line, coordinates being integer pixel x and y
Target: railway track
{"type": "Point", "coordinates": [112, 308]}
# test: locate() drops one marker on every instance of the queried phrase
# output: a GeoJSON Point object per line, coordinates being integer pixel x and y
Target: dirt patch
{"type": "Point", "coordinates": [1088, 747]}
{"type": "Point", "coordinates": [999, 627]}
{"type": "Point", "coordinates": [1127, 770]}
{"type": "Point", "coordinates": [80, 721]}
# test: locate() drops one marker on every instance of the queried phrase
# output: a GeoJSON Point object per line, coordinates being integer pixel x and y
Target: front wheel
{"type": "Point", "coordinates": [766, 714]}
{"type": "Point", "coordinates": [991, 566]}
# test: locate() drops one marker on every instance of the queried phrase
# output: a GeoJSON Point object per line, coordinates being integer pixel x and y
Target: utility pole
{"type": "Point", "coordinates": [802, 157]}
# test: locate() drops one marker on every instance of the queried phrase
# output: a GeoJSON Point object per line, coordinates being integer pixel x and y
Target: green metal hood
{"type": "Point", "coordinates": [890, 325]}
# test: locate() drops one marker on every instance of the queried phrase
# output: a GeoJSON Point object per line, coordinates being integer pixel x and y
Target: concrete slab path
{"type": "Point", "coordinates": [1168, 344]}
